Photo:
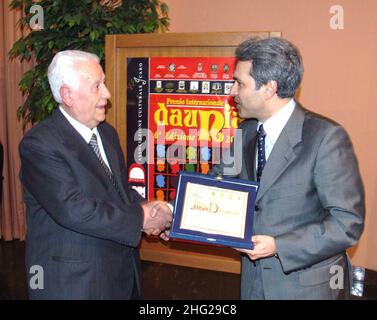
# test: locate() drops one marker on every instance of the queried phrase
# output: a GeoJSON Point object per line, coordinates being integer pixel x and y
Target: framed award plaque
{"type": "Point", "coordinates": [214, 210]}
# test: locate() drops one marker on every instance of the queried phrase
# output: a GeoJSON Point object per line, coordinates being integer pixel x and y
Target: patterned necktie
{"type": "Point", "coordinates": [93, 143]}
{"type": "Point", "coordinates": [261, 135]}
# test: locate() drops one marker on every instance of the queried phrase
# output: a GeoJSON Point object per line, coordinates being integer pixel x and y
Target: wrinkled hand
{"type": "Point", "coordinates": [157, 217]}
{"type": "Point", "coordinates": [264, 246]}
{"type": "Point", "coordinates": [165, 235]}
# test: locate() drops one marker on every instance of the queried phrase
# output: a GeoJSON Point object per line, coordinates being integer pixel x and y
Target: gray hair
{"type": "Point", "coordinates": [273, 59]}
{"type": "Point", "coordinates": [62, 71]}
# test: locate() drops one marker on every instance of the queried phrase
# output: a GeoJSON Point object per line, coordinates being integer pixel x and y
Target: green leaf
{"type": "Point", "coordinates": [72, 24]}
{"type": "Point", "coordinates": [92, 35]}
{"type": "Point", "coordinates": [164, 8]}
{"type": "Point", "coordinates": [26, 81]}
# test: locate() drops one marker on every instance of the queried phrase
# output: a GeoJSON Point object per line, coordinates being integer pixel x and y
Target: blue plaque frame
{"type": "Point", "coordinates": [219, 182]}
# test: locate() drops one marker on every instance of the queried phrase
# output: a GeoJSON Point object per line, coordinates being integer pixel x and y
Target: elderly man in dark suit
{"type": "Point", "coordinates": [83, 222]}
{"type": "Point", "coordinates": [310, 205]}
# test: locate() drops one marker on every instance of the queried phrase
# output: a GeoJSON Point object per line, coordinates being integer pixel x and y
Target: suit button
{"type": "Point", "coordinates": [256, 208]}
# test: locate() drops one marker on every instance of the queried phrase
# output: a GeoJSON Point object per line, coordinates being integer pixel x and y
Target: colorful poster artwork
{"type": "Point", "coordinates": [179, 117]}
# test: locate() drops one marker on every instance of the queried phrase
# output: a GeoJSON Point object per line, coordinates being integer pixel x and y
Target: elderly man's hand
{"type": "Point", "coordinates": [157, 217]}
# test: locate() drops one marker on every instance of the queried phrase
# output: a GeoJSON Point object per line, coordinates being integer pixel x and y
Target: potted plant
{"type": "Point", "coordinates": [74, 24]}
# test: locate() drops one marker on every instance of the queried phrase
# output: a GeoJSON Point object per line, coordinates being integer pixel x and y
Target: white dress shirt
{"type": "Point", "coordinates": [273, 127]}
{"type": "Point", "coordinates": [86, 133]}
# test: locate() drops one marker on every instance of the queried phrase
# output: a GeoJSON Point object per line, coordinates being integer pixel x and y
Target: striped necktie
{"type": "Point", "coordinates": [93, 143]}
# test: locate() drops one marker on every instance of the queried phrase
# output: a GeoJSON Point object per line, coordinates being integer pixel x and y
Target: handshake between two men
{"type": "Point", "coordinates": [157, 218]}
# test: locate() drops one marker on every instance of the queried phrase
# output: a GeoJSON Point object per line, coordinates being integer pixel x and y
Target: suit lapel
{"type": "Point", "coordinates": [75, 143]}
{"type": "Point", "coordinates": [78, 148]}
{"type": "Point", "coordinates": [113, 159]}
{"type": "Point", "coordinates": [248, 142]}
{"type": "Point", "coordinates": [283, 153]}
{"type": "Point", "coordinates": [249, 152]}
{"type": "Point", "coordinates": [111, 155]}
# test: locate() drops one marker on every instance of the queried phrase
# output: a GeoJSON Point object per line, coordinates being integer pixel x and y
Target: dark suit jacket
{"type": "Point", "coordinates": [311, 199]}
{"type": "Point", "coordinates": [79, 229]}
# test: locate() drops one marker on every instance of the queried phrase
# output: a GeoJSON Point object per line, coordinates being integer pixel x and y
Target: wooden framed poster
{"type": "Point", "coordinates": [171, 107]}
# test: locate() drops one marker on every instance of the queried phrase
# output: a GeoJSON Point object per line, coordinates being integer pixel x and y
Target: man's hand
{"type": "Point", "coordinates": [264, 246]}
{"type": "Point", "coordinates": [165, 235]}
{"type": "Point", "coordinates": [157, 217]}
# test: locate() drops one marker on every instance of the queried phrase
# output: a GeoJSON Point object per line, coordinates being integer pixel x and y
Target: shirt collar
{"type": "Point", "coordinates": [274, 125]}
{"type": "Point", "coordinates": [82, 129]}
